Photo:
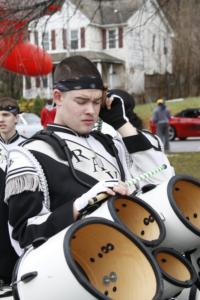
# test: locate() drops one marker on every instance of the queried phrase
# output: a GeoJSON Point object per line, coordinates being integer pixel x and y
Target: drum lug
{"type": "Point", "coordinates": [38, 242]}
{"type": "Point", "coordinates": [162, 216]}
{"type": "Point", "coordinates": [29, 276]}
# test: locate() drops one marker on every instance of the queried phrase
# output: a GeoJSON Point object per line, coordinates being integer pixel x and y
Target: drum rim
{"type": "Point", "coordinates": [79, 276]}
{"type": "Point", "coordinates": [184, 260]}
{"type": "Point", "coordinates": [172, 181]}
{"type": "Point", "coordinates": [15, 272]}
{"type": "Point", "coordinates": [145, 205]}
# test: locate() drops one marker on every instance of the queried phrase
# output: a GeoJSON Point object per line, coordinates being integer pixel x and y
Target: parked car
{"type": "Point", "coordinates": [28, 124]}
{"type": "Point", "coordinates": [184, 124]}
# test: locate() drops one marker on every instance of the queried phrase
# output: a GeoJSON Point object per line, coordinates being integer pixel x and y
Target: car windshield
{"type": "Point", "coordinates": [31, 118]}
{"type": "Point", "coordinates": [189, 113]}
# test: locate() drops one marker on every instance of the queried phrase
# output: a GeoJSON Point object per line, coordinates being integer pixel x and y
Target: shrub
{"type": "Point", "coordinates": [31, 105]}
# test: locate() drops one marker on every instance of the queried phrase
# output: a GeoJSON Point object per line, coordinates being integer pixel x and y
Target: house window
{"type": "Point", "coordinates": [28, 83]}
{"type": "Point", "coordinates": [29, 35]}
{"type": "Point", "coordinates": [64, 38]}
{"type": "Point", "coordinates": [37, 82]}
{"type": "Point", "coordinates": [53, 39]}
{"type": "Point", "coordinates": [82, 37]}
{"type": "Point", "coordinates": [74, 39]}
{"type": "Point", "coordinates": [120, 37]}
{"type": "Point", "coordinates": [112, 38]}
{"type": "Point", "coordinates": [104, 38]}
{"type": "Point", "coordinates": [45, 40]}
{"type": "Point", "coordinates": [153, 43]}
{"type": "Point", "coordinates": [45, 82]}
{"type": "Point", "coordinates": [36, 40]}
{"type": "Point", "coordinates": [165, 50]}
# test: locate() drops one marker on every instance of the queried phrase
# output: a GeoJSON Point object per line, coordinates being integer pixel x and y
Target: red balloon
{"type": "Point", "coordinates": [20, 56]}
{"type": "Point", "coordinates": [28, 59]}
{"type": "Point", "coordinates": [16, 54]}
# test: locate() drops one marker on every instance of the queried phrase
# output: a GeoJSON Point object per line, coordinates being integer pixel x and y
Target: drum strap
{"type": "Point", "coordinates": [5, 290]}
{"type": "Point", "coordinates": [193, 292]}
{"type": "Point", "coordinates": [107, 140]}
{"type": "Point", "coordinates": [6, 294]}
{"type": "Point", "coordinates": [158, 147]}
{"type": "Point", "coordinates": [62, 150]}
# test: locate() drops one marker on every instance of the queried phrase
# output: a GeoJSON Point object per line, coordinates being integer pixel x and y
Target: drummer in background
{"type": "Point", "coordinates": [8, 257]}
{"type": "Point", "coordinates": [9, 115]}
{"type": "Point", "coordinates": [9, 138]}
{"type": "Point", "coordinates": [51, 179]}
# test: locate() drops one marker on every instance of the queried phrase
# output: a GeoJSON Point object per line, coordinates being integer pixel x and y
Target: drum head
{"type": "Point", "coordinates": [174, 267]}
{"type": "Point", "coordinates": [111, 262]}
{"type": "Point", "coordinates": [184, 195]}
{"type": "Point", "coordinates": [138, 217]}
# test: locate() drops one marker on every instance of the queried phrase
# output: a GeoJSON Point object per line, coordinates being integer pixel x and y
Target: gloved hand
{"type": "Point", "coordinates": [116, 116]}
{"type": "Point", "coordinates": [129, 102]}
{"type": "Point", "coordinates": [98, 188]}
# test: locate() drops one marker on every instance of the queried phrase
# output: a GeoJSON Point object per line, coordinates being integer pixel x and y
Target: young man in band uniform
{"type": "Point", "coordinates": [9, 115]}
{"type": "Point", "coordinates": [8, 257]}
{"type": "Point", "coordinates": [9, 138]}
{"type": "Point", "coordinates": [50, 180]}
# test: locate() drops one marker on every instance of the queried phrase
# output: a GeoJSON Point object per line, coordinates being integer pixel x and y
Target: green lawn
{"type": "Point", "coordinates": [184, 163]}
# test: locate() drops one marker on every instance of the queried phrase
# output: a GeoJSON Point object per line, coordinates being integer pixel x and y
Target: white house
{"type": "Point", "coordinates": [126, 39]}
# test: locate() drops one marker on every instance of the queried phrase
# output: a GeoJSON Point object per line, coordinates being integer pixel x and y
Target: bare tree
{"type": "Point", "coordinates": [184, 16]}
{"type": "Point", "coordinates": [10, 84]}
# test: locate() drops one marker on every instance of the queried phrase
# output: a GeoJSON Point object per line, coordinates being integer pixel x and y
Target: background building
{"type": "Point", "coordinates": [129, 41]}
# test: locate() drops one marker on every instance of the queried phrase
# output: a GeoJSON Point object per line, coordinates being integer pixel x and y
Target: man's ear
{"type": "Point", "coordinates": [57, 97]}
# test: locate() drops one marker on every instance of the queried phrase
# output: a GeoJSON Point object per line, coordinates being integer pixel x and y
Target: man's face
{"type": "Point", "coordinates": [7, 122]}
{"type": "Point", "coordinates": [79, 109]}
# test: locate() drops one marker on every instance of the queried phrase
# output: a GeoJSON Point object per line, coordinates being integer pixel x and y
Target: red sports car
{"type": "Point", "coordinates": [182, 125]}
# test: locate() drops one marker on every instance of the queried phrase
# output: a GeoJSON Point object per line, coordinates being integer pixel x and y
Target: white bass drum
{"type": "Point", "coordinates": [178, 273]}
{"type": "Point", "coordinates": [92, 259]}
{"type": "Point", "coordinates": [178, 203]}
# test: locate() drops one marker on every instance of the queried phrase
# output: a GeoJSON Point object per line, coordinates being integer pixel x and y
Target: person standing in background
{"type": "Point", "coordinates": [9, 115]}
{"type": "Point", "coordinates": [9, 138]}
{"type": "Point", "coordinates": [8, 256]}
{"type": "Point", "coordinates": [48, 112]}
{"type": "Point", "coordinates": [160, 117]}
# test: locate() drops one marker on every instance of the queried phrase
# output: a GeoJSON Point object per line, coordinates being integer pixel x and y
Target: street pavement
{"type": "Point", "coordinates": [189, 145]}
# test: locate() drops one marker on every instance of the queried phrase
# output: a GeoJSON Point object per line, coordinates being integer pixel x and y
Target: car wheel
{"type": "Point", "coordinates": [172, 133]}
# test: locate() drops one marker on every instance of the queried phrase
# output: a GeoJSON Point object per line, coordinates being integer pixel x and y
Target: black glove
{"type": "Point", "coordinates": [116, 116]}
{"type": "Point", "coordinates": [129, 103]}
{"type": "Point", "coordinates": [135, 120]}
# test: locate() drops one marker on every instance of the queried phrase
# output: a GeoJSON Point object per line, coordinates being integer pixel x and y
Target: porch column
{"type": "Point", "coordinates": [99, 67]}
{"type": "Point", "coordinates": [110, 76]}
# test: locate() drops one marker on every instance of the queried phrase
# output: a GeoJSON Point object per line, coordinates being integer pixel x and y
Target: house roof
{"type": "Point", "coordinates": [109, 12]}
{"type": "Point", "coordinates": [92, 55]}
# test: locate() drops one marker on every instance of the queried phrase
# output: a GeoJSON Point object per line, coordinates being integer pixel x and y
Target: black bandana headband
{"type": "Point", "coordinates": [12, 109]}
{"type": "Point", "coordinates": [81, 83]}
